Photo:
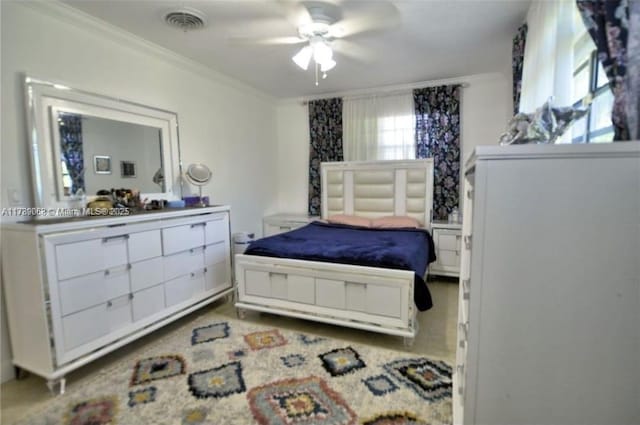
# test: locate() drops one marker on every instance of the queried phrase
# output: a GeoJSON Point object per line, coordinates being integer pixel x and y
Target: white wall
{"type": "Point", "coordinates": [293, 156]}
{"type": "Point", "coordinates": [223, 123]}
{"type": "Point", "coordinates": [486, 106]}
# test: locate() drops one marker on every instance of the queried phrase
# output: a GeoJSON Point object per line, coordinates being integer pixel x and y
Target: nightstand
{"type": "Point", "coordinates": [280, 223]}
{"type": "Point", "coordinates": [447, 238]}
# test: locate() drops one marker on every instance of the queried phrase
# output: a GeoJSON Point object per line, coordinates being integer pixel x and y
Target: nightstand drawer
{"type": "Point", "coordinates": [448, 240]}
{"type": "Point", "coordinates": [448, 258]}
{"type": "Point", "coordinates": [280, 223]}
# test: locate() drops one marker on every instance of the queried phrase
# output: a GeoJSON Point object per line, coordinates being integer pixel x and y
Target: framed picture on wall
{"type": "Point", "coordinates": [127, 169]}
{"type": "Point", "coordinates": [102, 164]}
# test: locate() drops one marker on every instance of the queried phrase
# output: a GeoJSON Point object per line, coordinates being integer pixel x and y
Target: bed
{"type": "Point", "coordinates": [376, 296]}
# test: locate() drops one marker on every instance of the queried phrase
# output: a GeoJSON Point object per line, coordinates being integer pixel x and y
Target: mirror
{"type": "Point", "coordinates": [83, 142]}
{"type": "Point", "coordinates": [198, 175]}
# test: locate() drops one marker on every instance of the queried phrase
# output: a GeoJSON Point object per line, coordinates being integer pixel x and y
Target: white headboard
{"type": "Point", "coordinates": [378, 188]}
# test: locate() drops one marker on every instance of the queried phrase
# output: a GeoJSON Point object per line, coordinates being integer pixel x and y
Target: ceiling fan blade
{"type": "Point", "coordinates": [369, 16]}
{"type": "Point", "coordinates": [296, 13]}
{"type": "Point", "coordinates": [353, 50]}
{"type": "Point", "coordinates": [265, 41]}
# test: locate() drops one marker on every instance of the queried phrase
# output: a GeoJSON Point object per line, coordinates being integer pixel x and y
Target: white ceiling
{"type": "Point", "coordinates": [432, 39]}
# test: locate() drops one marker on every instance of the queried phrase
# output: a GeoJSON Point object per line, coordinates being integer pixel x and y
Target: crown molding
{"type": "Point", "coordinates": [465, 81]}
{"type": "Point", "coordinates": [69, 15]}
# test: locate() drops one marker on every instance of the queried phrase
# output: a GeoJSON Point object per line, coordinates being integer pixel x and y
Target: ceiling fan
{"type": "Point", "coordinates": [322, 27]}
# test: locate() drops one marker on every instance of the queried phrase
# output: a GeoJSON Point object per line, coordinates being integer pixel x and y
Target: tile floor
{"type": "Point", "coordinates": [436, 338]}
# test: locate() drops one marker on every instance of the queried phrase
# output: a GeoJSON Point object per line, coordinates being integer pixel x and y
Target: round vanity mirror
{"type": "Point", "coordinates": [198, 175]}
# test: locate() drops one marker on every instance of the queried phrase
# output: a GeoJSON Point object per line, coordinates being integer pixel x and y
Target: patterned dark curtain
{"type": "Point", "coordinates": [71, 149]}
{"type": "Point", "coordinates": [437, 112]}
{"type": "Point", "coordinates": [517, 60]}
{"type": "Point", "coordinates": [633, 71]}
{"type": "Point", "coordinates": [608, 24]}
{"type": "Point", "coordinates": [325, 126]}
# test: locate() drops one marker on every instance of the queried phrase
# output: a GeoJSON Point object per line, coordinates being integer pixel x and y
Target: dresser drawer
{"type": "Point", "coordinates": [183, 288]}
{"type": "Point", "coordinates": [215, 253]}
{"type": "Point", "coordinates": [87, 325]}
{"type": "Point", "coordinates": [216, 277]}
{"type": "Point", "coordinates": [183, 263]}
{"type": "Point", "coordinates": [148, 302]}
{"type": "Point", "coordinates": [92, 289]}
{"type": "Point", "coordinates": [144, 245]}
{"type": "Point", "coordinates": [146, 273]}
{"type": "Point", "coordinates": [181, 238]}
{"type": "Point", "coordinates": [79, 258]}
{"type": "Point", "coordinates": [217, 229]}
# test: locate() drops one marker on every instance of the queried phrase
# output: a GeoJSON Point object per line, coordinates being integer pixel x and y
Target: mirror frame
{"type": "Point", "coordinates": [45, 99]}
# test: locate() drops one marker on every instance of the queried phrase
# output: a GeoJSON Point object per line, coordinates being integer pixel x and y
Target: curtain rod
{"type": "Point", "coordinates": [382, 92]}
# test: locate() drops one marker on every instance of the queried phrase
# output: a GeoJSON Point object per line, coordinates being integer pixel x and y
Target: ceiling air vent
{"type": "Point", "coordinates": [186, 18]}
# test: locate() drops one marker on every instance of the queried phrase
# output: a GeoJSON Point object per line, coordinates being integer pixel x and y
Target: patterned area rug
{"type": "Point", "coordinates": [229, 372]}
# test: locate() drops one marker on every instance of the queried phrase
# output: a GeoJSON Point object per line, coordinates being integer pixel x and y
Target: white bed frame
{"type": "Point", "coordinates": [371, 298]}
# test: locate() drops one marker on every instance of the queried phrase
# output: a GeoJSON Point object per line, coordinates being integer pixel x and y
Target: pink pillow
{"type": "Point", "coordinates": [351, 220]}
{"type": "Point", "coordinates": [394, 221]}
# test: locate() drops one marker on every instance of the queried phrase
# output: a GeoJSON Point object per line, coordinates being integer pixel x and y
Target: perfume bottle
{"type": "Point", "coordinates": [454, 216]}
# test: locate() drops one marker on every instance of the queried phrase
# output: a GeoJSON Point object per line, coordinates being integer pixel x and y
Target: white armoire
{"type": "Point", "coordinates": [549, 313]}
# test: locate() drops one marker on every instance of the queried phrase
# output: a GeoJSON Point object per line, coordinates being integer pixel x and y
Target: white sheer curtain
{"type": "Point", "coordinates": [548, 55]}
{"type": "Point", "coordinates": [379, 127]}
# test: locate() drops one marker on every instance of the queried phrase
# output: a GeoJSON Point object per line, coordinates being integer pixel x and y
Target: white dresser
{"type": "Point", "coordinates": [447, 238]}
{"type": "Point", "coordinates": [280, 223]}
{"type": "Point", "coordinates": [78, 289]}
{"type": "Point", "coordinates": [549, 308]}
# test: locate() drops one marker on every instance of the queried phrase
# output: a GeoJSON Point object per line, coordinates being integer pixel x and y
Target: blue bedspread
{"type": "Point", "coordinates": [404, 249]}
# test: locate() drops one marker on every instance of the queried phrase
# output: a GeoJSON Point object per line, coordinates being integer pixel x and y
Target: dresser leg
{"type": "Point", "coordinates": [408, 342]}
{"type": "Point", "coordinates": [240, 313]}
{"type": "Point", "coordinates": [51, 384]}
{"type": "Point", "coordinates": [20, 373]}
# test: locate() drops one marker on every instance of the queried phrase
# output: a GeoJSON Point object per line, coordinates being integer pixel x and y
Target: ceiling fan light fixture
{"type": "Point", "coordinates": [322, 53]}
{"type": "Point", "coordinates": [303, 57]}
{"type": "Point", "coordinates": [327, 65]}
{"type": "Point", "coordinates": [314, 29]}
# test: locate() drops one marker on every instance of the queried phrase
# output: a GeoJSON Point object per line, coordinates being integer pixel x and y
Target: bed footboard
{"type": "Point", "coordinates": [370, 298]}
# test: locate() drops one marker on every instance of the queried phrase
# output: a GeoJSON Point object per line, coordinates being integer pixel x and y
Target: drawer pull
{"type": "Point", "coordinates": [130, 296]}
{"type": "Point", "coordinates": [107, 272]}
{"type": "Point", "coordinates": [194, 274]}
{"type": "Point", "coordinates": [111, 238]}
{"type": "Point", "coordinates": [469, 193]}
{"type": "Point", "coordinates": [460, 369]}
{"type": "Point", "coordinates": [464, 327]}
{"type": "Point", "coordinates": [466, 288]}
{"type": "Point", "coordinates": [109, 304]}
{"type": "Point", "coordinates": [129, 266]}
{"type": "Point", "coordinates": [198, 224]}
{"type": "Point", "coordinates": [460, 390]}
{"type": "Point", "coordinates": [467, 241]}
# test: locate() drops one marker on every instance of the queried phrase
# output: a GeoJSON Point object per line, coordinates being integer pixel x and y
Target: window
{"type": "Point", "coordinates": [379, 127]}
{"type": "Point", "coordinates": [590, 83]}
{"type": "Point", "coordinates": [396, 137]}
